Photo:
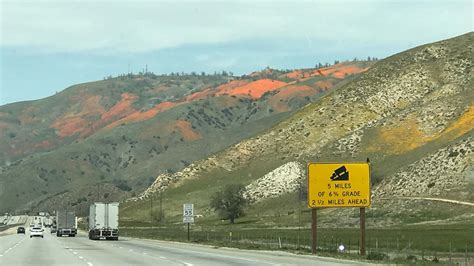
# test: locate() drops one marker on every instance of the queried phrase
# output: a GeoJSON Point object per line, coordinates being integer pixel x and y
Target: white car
{"type": "Point", "coordinates": [36, 231]}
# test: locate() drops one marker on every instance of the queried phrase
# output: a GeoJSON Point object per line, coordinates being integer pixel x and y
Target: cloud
{"type": "Point", "coordinates": [111, 27]}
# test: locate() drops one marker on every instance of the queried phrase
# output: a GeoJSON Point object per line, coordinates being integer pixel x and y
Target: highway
{"type": "Point", "coordinates": [51, 250]}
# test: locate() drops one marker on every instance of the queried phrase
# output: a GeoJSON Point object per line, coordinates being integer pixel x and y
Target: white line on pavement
{"type": "Point", "coordinates": [89, 264]}
{"type": "Point", "coordinates": [222, 256]}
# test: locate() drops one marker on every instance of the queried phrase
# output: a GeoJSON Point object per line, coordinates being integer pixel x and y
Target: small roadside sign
{"type": "Point", "coordinates": [338, 185]}
{"type": "Point", "coordinates": [188, 213]}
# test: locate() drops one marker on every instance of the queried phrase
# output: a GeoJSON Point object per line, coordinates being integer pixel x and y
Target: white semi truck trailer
{"type": "Point", "coordinates": [66, 223]}
{"type": "Point", "coordinates": [103, 221]}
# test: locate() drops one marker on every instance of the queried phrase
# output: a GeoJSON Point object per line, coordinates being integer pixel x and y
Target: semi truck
{"type": "Point", "coordinates": [66, 223]}
{"type": "Point", "coordinates": [47, 222]}
{"type": "Point", "coordinates": [103, 221]}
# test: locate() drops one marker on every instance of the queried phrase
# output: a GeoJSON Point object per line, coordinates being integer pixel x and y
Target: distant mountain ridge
{"type": "Point", "coordinates": [112, 137]}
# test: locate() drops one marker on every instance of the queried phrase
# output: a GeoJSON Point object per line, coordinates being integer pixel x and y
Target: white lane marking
{"type": "Point", "coordinates": [131, 250]}
{"type": "Point", "coordinates": [74, 252]}
{"type": "Point", "coordinates": [144, 253]}
{"type": "Point", "coordinates": [161, 257]}
{"type": "Point", "coordinates": [221, 255]}
{"type": "Point", "coordinates": [188, 264]}
{"type": "Point", "coordinates": [120, 247]}
{"type": "Point", "coordinates": [80, 257]}
{"type": "Point", "coordinates": [89, 264]}
{"type": "Point", "coordinates": [1, 255]}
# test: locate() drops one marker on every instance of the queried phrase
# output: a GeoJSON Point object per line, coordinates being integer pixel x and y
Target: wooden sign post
{"type": "Point", "coordinates": [334, 185]}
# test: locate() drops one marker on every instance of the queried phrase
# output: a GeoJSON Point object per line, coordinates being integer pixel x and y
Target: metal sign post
{"type": "Point", "coordinates": [338, 185]}
{"type": "Point", "coordinates": [188, 215]}
{"type": "Point", "coordinates": [189, 238]}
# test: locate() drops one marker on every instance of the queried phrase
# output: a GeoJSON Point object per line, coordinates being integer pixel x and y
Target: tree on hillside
{"type": "Point", "coordinates": [229, 202]}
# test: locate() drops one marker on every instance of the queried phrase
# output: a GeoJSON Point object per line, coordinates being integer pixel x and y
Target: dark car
{"type": "Point", "coordinates": [20, 230]}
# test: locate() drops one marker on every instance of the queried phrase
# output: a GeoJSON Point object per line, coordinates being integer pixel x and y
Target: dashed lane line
{"type": "Point", "coordinates": [12, 247]}
{"type": "Point", "coordinates": [222, 256]}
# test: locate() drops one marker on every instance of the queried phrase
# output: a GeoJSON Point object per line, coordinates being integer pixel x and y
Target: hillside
{"type": "Point", "coordinates": [107, 140]}
{"type": "Point", "coordinates": [412, 114]}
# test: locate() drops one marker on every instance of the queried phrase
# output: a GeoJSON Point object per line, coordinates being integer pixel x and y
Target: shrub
{"type": "Point", "coordinates": [377, 256]}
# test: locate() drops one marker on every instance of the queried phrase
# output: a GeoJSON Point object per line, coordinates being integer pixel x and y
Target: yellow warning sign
{"type": "Point", "coordinates": [338, 185]}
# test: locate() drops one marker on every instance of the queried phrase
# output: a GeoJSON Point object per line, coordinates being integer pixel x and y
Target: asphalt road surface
{"type": "Point", "coordinates": [51, 250]}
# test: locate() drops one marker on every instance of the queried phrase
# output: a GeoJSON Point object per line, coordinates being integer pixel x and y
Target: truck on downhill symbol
{"type": "Point", "coordinates": [340, 174]}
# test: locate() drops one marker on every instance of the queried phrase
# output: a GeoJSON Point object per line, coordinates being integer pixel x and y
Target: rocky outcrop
{"type": "Point", "coordinates": [284, 179]}
{"type": "Point", "coordinates": [434, 175]}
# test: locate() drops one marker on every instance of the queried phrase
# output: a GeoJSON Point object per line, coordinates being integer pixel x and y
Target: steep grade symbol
{"type": "Point", "coordinates": [340, 174]}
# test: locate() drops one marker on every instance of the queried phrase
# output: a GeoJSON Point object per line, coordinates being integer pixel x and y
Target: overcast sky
{"type": "Point", "coordinates": [47, 46]}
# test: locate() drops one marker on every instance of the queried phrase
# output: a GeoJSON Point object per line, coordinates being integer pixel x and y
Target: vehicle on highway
{"type": "Point", "coordinates": [36, 231]}
{"type": "Point", "coordinates": [47, 222]}
{"type": "Point", "coordinates": [20, 230]}
{"type": "Point", "coordinates": [66, 223]}
{"type": "Point", "coordinates": [53, 229]}
{"type": "Point", "coordinates": [103, 221]}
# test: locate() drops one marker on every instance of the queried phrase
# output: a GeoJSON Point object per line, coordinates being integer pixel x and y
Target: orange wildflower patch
{"type": "Point", "coordinates": [69, 126]}
{"type": "Point", "coordinates": [141, 116]}
{"type": "Point", "coordinates": [230, 86]}
{"type": "Point", "coordinates": [295, 74]}
{"type": "Point", "coordinates": [123, 107]}
{"type": "Point", "coordinates": [407, 136]}
{"type": "Point", "coordinates": [198, 95]}
{"type": "Point", "coordinates": [256, 89]}
{"type": "Point", "coordinates": [464, 124]}
{"type": "Point", "coordinates": [186, 130]}
{"type": "Point", "coordinates": [338, 71]}
{"type": "Point", "coordinates": [75, 120]}
{"type": "Point", "coordinates": [278, 101]}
